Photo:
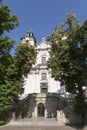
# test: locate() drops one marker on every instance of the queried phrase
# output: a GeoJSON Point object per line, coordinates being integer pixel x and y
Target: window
{"type": "Point", "coordinates": [43, 76]}
{"type": "Point", "coordinates": [44, 88]}
{"type": "Point", "coordinates": [43, 60]}
{"type": "Point", "coordinates": [21, 91]}
{"type": "Point", "coordinates": [86, 60]}
{"type": "Point", "coordinates": [62, 89]}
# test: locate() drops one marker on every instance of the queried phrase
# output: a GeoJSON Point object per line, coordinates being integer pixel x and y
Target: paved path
{"type": "Point", "coordinates": [39, 128]}
{"type": "Point", "coordinates": [38, 124]}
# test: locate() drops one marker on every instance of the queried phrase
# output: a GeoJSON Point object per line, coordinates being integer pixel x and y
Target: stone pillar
{"type": "Point", "coordinates": [35, 112]}
{"type": "Point", "coordinates": [45, 113]}
{"type": "Point", "coordinates": [14, 116]}
{"type": "Point", "coordinates": [61, 117]}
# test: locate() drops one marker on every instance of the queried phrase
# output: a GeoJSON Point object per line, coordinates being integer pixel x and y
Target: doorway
{"type": "Point", "coordinates": [40, 110]}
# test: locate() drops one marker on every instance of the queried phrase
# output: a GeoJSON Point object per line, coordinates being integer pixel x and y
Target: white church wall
{"type": "Point", "coordinates": [34, 80]}
{"type": "Point", "coordinates": [42, 53]}
{"type": "Point", "coordinates": [32, 84]}
{"type": "Point", "coordinates": [54, 86]}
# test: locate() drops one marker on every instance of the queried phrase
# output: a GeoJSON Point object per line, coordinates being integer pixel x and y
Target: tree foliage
{"type": "Point", "coordinates": [12, 68]}
{"type": "Point", "coordinates": [68, 57]}
{"type": "Point", "coordinates": [7, 21]}
{"type": "Point", "coordinates": [25, 56]}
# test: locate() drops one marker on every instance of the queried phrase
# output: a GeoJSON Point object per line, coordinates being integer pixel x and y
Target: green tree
{"type": "Point", "coordinates": [68, 57]}
{"type": "Point", "coordinates": [12, 68]}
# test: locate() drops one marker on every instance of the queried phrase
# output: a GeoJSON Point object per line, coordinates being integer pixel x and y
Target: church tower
{"type": "Point", "coordinates": [30, 38]}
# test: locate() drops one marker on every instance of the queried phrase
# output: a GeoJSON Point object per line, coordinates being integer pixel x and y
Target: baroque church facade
{"type": "Point", "coordinates": [41, 94]}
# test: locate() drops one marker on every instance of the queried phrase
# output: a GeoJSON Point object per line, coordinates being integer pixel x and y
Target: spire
{"type": "Point", "coordinates": [30, 37]}
{"type": "Point", "coordinates": [43, 38]}
{"type": "Point", "coordinates": [30, 33]}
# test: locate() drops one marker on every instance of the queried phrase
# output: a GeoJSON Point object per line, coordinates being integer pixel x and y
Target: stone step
{"type": "Point", "coordinates": [37, 122]}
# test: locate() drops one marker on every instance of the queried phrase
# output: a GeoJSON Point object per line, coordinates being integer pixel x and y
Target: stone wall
{"type": "Point", "coordinates": [52, 103]}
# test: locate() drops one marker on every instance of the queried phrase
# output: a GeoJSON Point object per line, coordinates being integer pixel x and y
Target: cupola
{"type": "Point", "coordinates": [30, 38]}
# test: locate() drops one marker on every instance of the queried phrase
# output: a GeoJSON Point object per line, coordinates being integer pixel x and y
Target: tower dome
{"type": "Point", "coordinates": [30, 38]}
{"type": "Point", "coordinates": [30, 33]}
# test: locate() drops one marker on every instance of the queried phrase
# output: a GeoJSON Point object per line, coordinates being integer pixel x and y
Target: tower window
{"type": "Point", "coordinates": [43, 60]}
{"type": "Point", "coordinates": [21, 91]}
{"type": "Point", "coordinates": [27, 41]}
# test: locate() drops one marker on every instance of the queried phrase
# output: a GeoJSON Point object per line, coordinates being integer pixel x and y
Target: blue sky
{"type": "Point", "coordinates": [43, 15]}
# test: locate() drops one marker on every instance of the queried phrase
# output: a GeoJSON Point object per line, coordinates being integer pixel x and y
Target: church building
{"type": "Point", "coordinates": [41, 94]}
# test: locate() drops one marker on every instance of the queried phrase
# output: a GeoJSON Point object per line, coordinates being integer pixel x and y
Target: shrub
{"type": "Point", "coordinates": [2, 123]}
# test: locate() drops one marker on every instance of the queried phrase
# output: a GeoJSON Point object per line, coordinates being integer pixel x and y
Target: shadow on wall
{"type": "Point", "coordinates": [25, 107]}
{"type": "Point", "coordinates": [53, 103]}
{"type": "Point", "coordinates": [68, 117]}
